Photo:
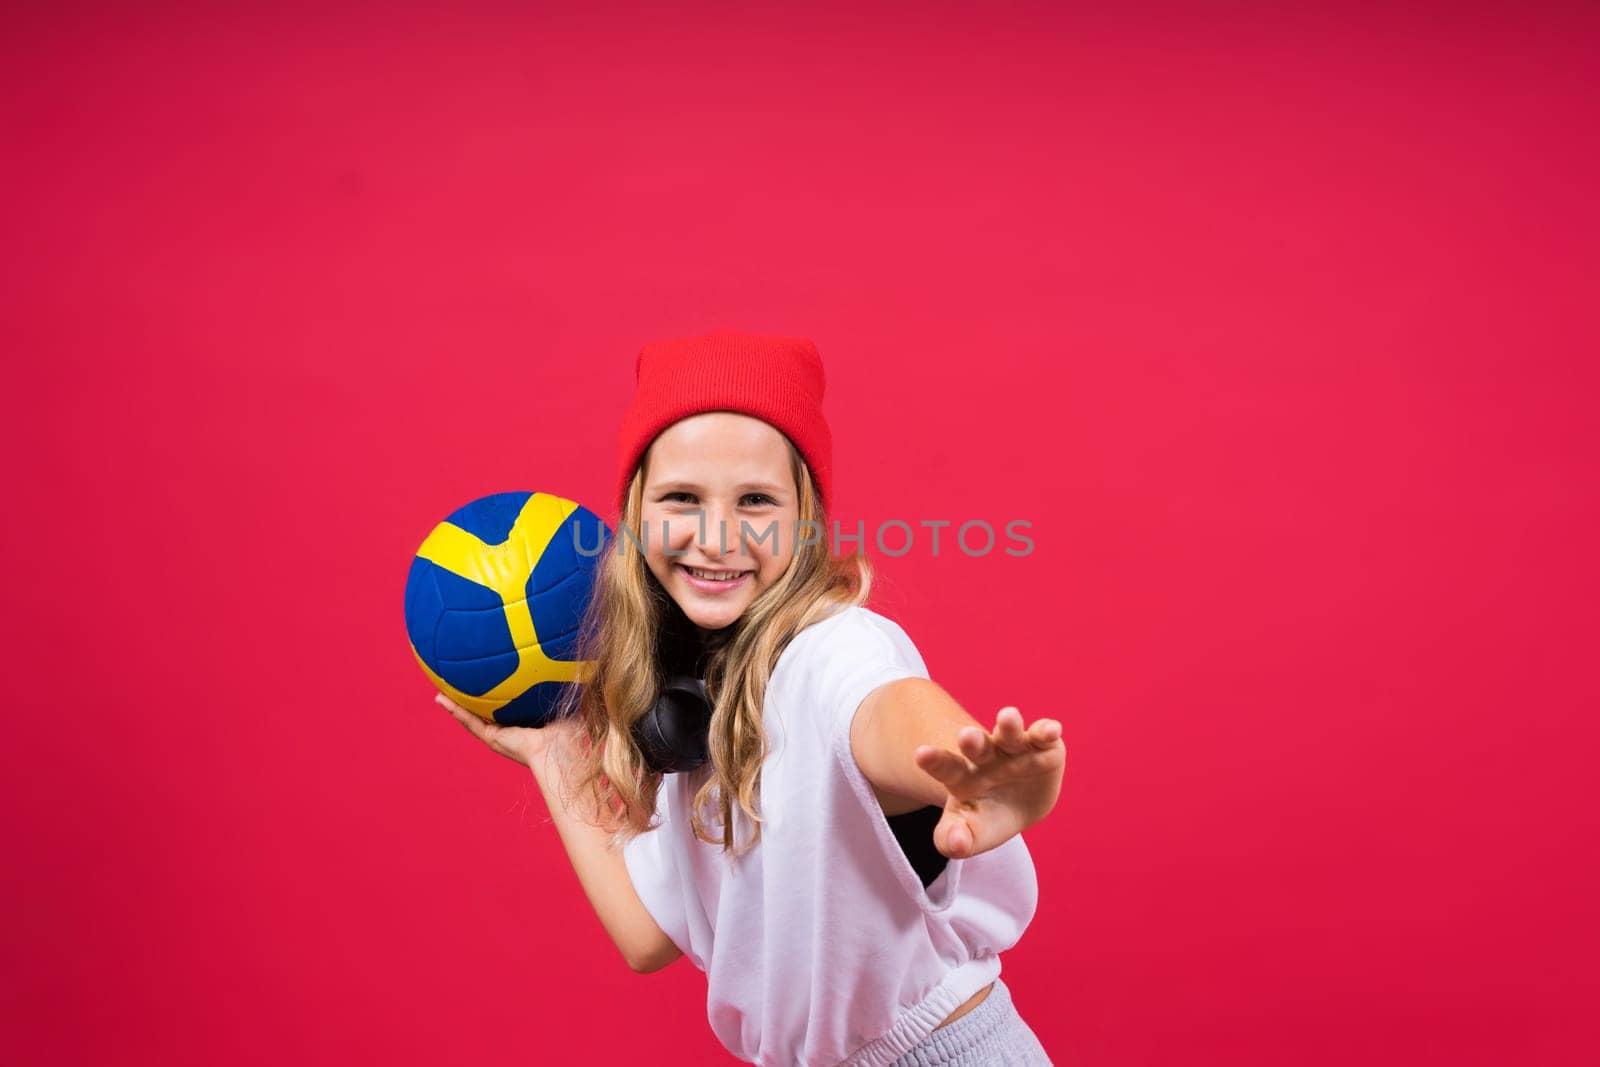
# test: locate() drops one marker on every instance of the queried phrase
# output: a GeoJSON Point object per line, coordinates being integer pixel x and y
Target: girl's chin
{"type": "Point", "coordinates": [713, 615]}
{"type": "Point", "coordinates": [716, 619]}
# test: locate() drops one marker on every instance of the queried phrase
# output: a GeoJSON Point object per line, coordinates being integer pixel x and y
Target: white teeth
{"type": "Point", "coordinates": [715, 576]}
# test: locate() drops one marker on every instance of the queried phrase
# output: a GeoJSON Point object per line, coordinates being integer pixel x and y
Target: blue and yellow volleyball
{"type": "Point", "coordinates": [495, 598]}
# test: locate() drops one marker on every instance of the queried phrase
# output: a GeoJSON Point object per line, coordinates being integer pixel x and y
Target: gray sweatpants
{"type": "Point", "coordinates": [990, 1035]}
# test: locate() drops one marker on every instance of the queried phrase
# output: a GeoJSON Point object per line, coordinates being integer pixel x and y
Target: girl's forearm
{"type": "Point", "coordinates": [603, 875]}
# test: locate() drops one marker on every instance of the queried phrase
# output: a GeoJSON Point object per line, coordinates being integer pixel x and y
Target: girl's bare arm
{"type": "Point", "coordinates": [600, 867]}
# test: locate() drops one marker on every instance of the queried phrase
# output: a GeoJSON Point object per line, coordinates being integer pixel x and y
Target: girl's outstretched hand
{"type": "Point", "coordinates": [524, 744]}
{"type": "Point", "coordinates": [1000, 783]}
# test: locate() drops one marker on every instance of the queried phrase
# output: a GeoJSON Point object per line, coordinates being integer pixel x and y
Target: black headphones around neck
{"type": "Point", "coordinates": [674, 733]}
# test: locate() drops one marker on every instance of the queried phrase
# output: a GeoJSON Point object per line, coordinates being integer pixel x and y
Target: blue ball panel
{"type": "Point", "coordinates": [424, 605]}
{"type": "Point", "coordinates": [490, 518]}
{"type": "Point", "coordinates": [535, 707]}
{"type": "Point", "coordinates": [472, 647]}
{"type": "Point", "coordinates": [559, 588]}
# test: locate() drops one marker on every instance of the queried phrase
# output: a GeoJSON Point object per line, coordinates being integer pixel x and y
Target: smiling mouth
{"type": "Point", "coordinates": [714, 576]}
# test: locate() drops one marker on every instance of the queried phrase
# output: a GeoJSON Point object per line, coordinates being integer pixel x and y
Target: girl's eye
{"type": "Point", "coordinates": [757, 498]}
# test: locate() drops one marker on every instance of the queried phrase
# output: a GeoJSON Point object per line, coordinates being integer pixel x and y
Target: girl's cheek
{"type": "Point", "coordinates": [663, 530]}
{"type": "Point", "coordinates": [679, 532]}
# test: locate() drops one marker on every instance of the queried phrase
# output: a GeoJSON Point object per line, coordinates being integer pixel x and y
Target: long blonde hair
{"type": "Point", "coordinates": [619, 640]}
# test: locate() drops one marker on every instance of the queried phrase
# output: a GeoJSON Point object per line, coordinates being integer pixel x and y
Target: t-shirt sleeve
{"type": "Point", "coordinates": [864, 653]}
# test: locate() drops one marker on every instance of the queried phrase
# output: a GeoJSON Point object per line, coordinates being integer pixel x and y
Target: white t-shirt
{"type": "Point", "coordinates": [821, 946]}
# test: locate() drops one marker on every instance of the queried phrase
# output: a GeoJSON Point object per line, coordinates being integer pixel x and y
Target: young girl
{"type": "Point", "coordinates": [846, 864]}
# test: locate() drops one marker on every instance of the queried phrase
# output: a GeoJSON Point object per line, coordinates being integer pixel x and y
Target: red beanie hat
{"type": "Point", "coordinates": [778, 380]}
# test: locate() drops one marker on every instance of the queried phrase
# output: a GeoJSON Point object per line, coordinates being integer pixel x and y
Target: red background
{"type": "Point", "coordinates": [1278, 327]}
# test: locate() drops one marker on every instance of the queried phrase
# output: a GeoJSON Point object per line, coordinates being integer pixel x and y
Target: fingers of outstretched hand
{"type": "Point", "coordinates": [950, 768]}
{"type": "Point", "coordinates": [1044, 733]}
{"type": "Point", "coordinates": [976, 744]}
{"type": "Point", "coordinates": [954, 837]}
{"type": "Point", "coordinates": [1012, 737]}
{"type": "Point", "coordinates": [1009, 735]}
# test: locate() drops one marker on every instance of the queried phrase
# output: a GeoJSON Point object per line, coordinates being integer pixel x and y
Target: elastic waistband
{"type": "Point", "coordinates": [949, 1043]}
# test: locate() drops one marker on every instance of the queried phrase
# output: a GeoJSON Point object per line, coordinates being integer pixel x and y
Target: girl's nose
{"type": "Point", "coordinates": [721, 535]}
